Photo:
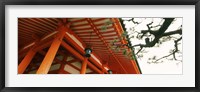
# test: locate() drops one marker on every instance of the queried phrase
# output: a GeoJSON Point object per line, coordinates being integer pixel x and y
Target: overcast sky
{"type": "Point", "coordinates": [167, 66]}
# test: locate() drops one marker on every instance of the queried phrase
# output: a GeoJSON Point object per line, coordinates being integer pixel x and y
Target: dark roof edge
{"type": "Point", "coordinates": [124, 29]}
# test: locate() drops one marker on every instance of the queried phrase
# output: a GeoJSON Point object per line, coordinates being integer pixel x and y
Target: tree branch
{"type": "Point", "coordinates": [158, 34]}
{"type": "Point", "coordinates": [174, 51]}
{"type": "Point", "coordinates": [179, 31]}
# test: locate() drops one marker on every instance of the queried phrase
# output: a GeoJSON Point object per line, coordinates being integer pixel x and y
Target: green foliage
{"type": "Point", "coordinates": [124, 52]}
{"type": "Point", "coordinates": [104, 28]}
{"type": "Point", "coordinates": [133, 57]}
{"type": "Point", "coordinates": [108, 22]}
{"type": "Point", "coordinates": [113, 42]}
{"type": "Point", "coordinates": [124, 34]}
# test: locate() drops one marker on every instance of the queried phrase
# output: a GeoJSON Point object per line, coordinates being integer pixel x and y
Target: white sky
{"type": "Point", "coordinates": [167, 66]}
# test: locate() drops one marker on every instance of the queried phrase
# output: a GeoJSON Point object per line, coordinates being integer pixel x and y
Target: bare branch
{"type": "Point", "coordinates": [148, 25]}
{"type": "Point", "coordinates": [174, 51]}
{"type": "Point", "coordinates": [139, 50]}
{"type": "Point", "coordinates": [158, 34]}
{"type": "Point", "coordinates": [179, 31]}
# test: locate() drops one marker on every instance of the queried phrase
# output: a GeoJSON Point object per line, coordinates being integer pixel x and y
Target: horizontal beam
{"type": "Point", "coordinates": [42, 40]}
{"type": "Point", "coordinates": [80, 46]}
{"type": "Point", "coordinates": [79, 56]}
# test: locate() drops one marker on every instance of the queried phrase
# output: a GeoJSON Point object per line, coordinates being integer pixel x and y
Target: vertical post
{"type": "Point", "coordinates": [26, 61]}
{"type": "Point", "coordinates": [84, 66]}
{"type": "Point", "coordinates": [62, 66]}
{"type": "Point", "coordinates": [48, 59]}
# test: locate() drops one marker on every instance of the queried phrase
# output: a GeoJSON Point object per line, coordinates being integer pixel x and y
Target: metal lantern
{"type": "Point", "coordinates": [88, 51]}
{"type": "Point", "coordinates": [109, 71]}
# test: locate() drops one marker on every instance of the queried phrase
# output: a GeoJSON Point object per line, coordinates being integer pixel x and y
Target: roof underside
{"type": "Point", "coordinates": [91, 31]}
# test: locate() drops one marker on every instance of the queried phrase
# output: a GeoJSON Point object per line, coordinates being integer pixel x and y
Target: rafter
{"type": "Point", "coordinates": [107, 46]}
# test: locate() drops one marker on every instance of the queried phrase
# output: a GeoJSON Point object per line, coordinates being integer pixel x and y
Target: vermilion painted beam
{"type": "Point", "coordinates": [34, 23]}
{"type": "Point", "coordinates": [61, 69]}
{"type": "Point", "coordinates": [81, 20]}
{"type": "Point", "coordinates": [109, 35]}
{"type": "Point", "coordinates": [62, 65]}
{"type": "Point", "coordinates": [135, 67]}
{"type": "Point", "coordinates": [26, 61]}
{"type": "Point", "coordinates": [48, 59]}
{"type": "Point", "coordinates": [100, 24]}
{"type": "Point", "coordinates": [91, 73]}
{"type": "Point", "coordinates": [57, 60]}
{"type": "Point", "coordinates": [101, 37]}
{"type": "Point", "coordinates": [79, 56]}
{"type": "Point", "coordinates": [63, 62]}
{"type": "Point", "coordinates": [65, 72]}
{"type": "Point", "coordinates": [119, 30]}
{"type": "Point", "coordinates": [74, 67]}
{"type": "Point", "coordinates": [49, 23]}
{"type": "Point", "coordinates": [103, 32]}
{"type": "Point", "coordinates": [23, 50]}
{"type": "Point", "coordinates": [81, 49]}
{"type": "Point", "coordinates": [100, 19]}
{"type": "Point", "coordinates": [72, 61]}
{"type": "Point", "coordinates": [42, 25]}
{"type": "Point", "coordinates": [45, 40]}
{"type": "Point", "coordinates": [80, 25]}
{"type": "Point", "coordinates": [109, 27]}
{"type": "Point", "coordinates": [36, 48]}
{"type": "Point", "coordinates": [64, 58]}
{"type": "Point", "coordinates": [84, 66]}
{"type": "Point", "coordinates": [43, 46]}
{"type": "Point", "coordinates": [29, 26]}
{"type": "Point", "coordinates": [93, 41]}
{"type": "Point", "coordinates": [44, 53]}
{"type": "Point", "coordinates": [63, 54]}
{"type": "Point", "coordinates": [136, 70]}
{"type": "Point", "coordinates": [29, 30]}
{"type": "Point", "coordinates": [83, 28]}
{"type": "Point", "coordinates": [53, 72]}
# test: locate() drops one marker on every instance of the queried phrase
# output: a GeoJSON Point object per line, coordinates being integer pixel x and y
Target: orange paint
{"type": "Point", "coordinates": [26, 61]}
{"type": "Point", "coordinates": [48, 59]}
{"type": "Point", "coordinates": [84, 66]}
{"type": "Point", "coordinates": [79, 56]}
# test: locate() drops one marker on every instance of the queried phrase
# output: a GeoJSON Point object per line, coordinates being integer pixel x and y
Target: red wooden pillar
{"type": "Point", "coordinates": [84, 66]}
{"type": "Point", "coordinates": [48, 59]}
{"type": "Point", "coordinates": [26, 61]}
{"type": "Point", "coordinates": [62, 66]}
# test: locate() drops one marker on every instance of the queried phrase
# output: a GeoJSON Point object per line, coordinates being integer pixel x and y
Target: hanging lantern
{"type": "Point", "coordinates": [88, 51]}
{"type": "Point", "coordinates": [109, 71]}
